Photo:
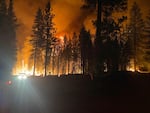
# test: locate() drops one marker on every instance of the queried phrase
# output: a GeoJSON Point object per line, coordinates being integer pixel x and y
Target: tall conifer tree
{"type": "Point", "coordinates": [8, 26]}
{"type": "Point", "coordinates": [49, 32]}
{"type": "Point", "coordinates": [102, 6]}
{"type": "Point", "coordinates": [37, 40]}
{"type": "Point", "coordinates": [136, 28]}
{"type": "Point", "coordinates": [86, 50]}
{"type": "Point", "coordinates": [147, 32]}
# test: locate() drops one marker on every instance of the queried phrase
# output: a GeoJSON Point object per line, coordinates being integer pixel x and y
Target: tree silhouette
{"type": "Point", "coordinates": [126, 50]}
{"type": "Point", "coordinates": [8, 26]}
{"type": "Point", "coordinates": [75, 51]}
{"type": "Point", "coordinates": [63, 56]}
{"type": "Point", "coordinates": [37, 40]}
{"type": "Point", "coordinates": [105, 7]}
{"type": "Point", "coordinates": [86, 51]}
{"type": "Point", "coordinates": [55, 56]}
{"type": "Point", "coordinates": [3, 7]}
{"type": "Point", "coordinates": [66, 53]}
{"type": "Point", "coordinates": [3, 17]}
{"type": "Point", "coordinates": [136, 28]}
{"type": "Point", "coordinates": [49, 32]}
{"type": "Point", "coordinates": [43, 38]}
{"type": "Point", "coordinates": [12, 23]}
{"type": "Point", "coordinates": [147, 32]}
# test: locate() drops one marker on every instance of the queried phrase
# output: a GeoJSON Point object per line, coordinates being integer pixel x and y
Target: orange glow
{"type": "Point", "coordinates": [25, 65]}
{"type": "Point", "coordinates": [131, 69]}
{"type": "Point", "coordinates": [68, 18]}
{"type": "Point", "coordinates": [23, 55]}
{"type": "Point", "coordinates": [130, 66]}
{"type": "Point", "coordinates": [61, 38]}
{"type": "Point", "coordinates": [24, 69]}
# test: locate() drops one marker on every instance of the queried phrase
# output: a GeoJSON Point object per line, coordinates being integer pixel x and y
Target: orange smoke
{"type": "Point", "coordinates": [68, 18]}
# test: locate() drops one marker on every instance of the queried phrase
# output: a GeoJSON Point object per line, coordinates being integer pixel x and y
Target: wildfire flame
{"type": "Point", "coordinates": [23, 64]}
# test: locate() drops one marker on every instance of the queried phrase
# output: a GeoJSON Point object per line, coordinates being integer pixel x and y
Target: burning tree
{"type": "Point", "coordinates": [66, 55]}
{"type": "Point", "coordinates": [136, 28]}
{"type": "Point", "coordinates": [75, 52]}
{"type": "Point", "coordinates": [37, 40]}
{"type": "Point", "coordinates": [147, 32]}
{"type": "Point", "coordinates": [49, 32]}
{"type": "Point", "coordinates": [43, 37]}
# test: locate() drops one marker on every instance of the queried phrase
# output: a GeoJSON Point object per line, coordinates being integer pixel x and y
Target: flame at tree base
{"type": "Point", "coordinates": [25, 70]}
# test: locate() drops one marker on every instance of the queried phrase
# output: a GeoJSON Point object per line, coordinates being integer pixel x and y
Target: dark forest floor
{"type": "Point", "coordinates": [117, 93]}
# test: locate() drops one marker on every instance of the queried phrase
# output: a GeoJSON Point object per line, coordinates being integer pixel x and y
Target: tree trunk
{"type": "Point", "coordinates": [34, 65]}
{"type": "Point", "coordinates": [68, 65]}
{"type": "Point", "coordinates": [98, 41]}
{"type": "Point", "coordinates": [46, 55]}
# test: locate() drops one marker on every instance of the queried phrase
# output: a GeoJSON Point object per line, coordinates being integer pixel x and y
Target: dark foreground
{"type": "Point", "coordinates": [120, 93]}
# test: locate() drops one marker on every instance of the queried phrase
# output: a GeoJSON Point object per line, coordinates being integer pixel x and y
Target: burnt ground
{"type": "Point", "coordinates": [117, 93]}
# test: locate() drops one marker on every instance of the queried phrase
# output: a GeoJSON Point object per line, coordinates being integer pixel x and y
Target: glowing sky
{"type": "Point", "coordinates": [66, 12]}
{"type": "Point", "coordinates": [68, 15]}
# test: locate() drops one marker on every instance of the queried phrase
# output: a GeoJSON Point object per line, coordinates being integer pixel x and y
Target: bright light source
{"type": "Point", "coordinates": [132, 69]}
{"type": "Point", "coordinates": [22, 77]}
{"type": "Point", "coordinates": [19, 77]}
{"type": "Point", "coordinates": [61, 38]}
